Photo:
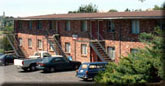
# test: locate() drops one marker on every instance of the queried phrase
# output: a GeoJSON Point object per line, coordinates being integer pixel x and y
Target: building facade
{"type": "Point", "coordinates": [86, 37]}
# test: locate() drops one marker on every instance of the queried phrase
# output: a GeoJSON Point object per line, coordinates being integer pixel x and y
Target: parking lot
{"type": "Point", "coordinates": [10, 74]}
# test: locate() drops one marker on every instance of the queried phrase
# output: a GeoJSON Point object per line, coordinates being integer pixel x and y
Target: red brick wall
{"type": "Point", "coordinates": [121, 41]}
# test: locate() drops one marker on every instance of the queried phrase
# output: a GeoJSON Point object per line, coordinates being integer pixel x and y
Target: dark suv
{"type": "Point", "coordinates": [5, 59]}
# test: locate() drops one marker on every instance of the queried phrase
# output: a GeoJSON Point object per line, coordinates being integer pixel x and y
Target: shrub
{"type": "Point", "coordinates": [141, 67]}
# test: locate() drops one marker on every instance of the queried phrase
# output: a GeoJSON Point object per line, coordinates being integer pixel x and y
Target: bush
{"type": "Point", "coordinates": [141, 67]}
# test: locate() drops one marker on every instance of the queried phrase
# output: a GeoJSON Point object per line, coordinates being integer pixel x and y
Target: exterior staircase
{"type": "Point", "coordinates": [18, 50]}
{"type": "Point", "coordinates": [56, 45]}
{"type": "Point", "coordinates": [99, 50]}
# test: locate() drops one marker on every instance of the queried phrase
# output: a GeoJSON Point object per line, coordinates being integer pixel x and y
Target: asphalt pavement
{"type": "Point", "coordinates": [10, 74]}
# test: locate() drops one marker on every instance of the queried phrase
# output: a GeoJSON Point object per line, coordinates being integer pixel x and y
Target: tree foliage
{"type": "Point", "coordinates": [141, 67]}
{"type": "Point", "coordinates": [112, 10]}
{"type": "Point", "coordinates": [156, 7]}
{"type": "Point", "coordinates": [90, 8]}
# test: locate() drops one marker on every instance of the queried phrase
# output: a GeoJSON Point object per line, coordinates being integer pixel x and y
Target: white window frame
{"type": "Point", "coordinates": [84, 26]}
{"type": "Point", "coordinates": [39, 44]}
{"type": "Point", "coordinates": [135, 26]}
{"type": "Point", "coordinates": [29, 43]}
{"type": "Point", "coordinates": [67, 28]}
{"type": "Point", "coordinates": [67, 47]}
{"type": "Point", "coordinates": [111, 52]}
{"type": "Point", "coordinates": [50, 47]}
{"type": "Point", "coordinates": [20, 41]}
{"type": "Point", "coordinates": [84, 49]}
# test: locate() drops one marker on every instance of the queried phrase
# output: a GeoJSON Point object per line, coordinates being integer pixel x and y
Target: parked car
{"type": "Point", "coordinates": [1, 54]}
{"type": "Point", "coordinates": [6, 59]}
{"type": "Point", "coordinates": [29, 64]}
{"type": "Point", "coordinates": [57, 63]}
{"type": "Point", "coordinates": [90, 70]}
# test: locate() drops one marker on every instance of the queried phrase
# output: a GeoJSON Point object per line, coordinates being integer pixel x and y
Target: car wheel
{"type": "Point", "coordinates": [25, 69]}
{"type": "Point", "coordinates": [51, 69]}
{"type": "Point", "coordinates": [85, 79]}
{"type": "Point", "coordinates": [32, 68]}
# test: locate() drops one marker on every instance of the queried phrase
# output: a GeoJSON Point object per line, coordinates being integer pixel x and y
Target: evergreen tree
{"type": "Point", "coordinates": [90, 8]}
{"type": "Point", "coordinates": [141, 67]}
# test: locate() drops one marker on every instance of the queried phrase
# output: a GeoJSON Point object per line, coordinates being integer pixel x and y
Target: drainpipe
{"type": "Point", "coordinates": [120, 41]}
{"type": "Point", "coordinates": [75, 49]}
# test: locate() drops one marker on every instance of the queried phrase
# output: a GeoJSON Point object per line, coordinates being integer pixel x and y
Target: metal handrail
{"type": "Point", "coordinates": [58, 45]}
{"type": "Point", "coordinates": [100, 36]}
{"type": "Point", "coordinates": [98, 42]}
{"type": "Point", "coordinates": [16, 41]}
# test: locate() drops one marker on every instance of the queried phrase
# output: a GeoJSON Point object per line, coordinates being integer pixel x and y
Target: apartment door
{"type": "Point", "coordinates": [101, 30]}
{"type": "Point", "coordinates": [97, 29]}
{"type": "Point", "coordinates": [94, 31]}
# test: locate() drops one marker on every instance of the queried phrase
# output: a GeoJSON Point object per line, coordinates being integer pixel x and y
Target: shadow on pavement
{"type": "Point", "coordinates": [62, 71]}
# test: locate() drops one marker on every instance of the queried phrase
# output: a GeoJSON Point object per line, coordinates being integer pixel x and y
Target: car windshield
{"type": "Point", "coordinates": [46, 59]}
{"type": "Point", "coordinates": [2, 56]}
{"type": "Point", "coordinates": [37, 54]}
{"type": "Point", "coordinates": [84, 66]}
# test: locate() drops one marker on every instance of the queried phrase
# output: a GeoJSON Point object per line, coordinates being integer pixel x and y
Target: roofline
{"type": "Point", "coordinates": [140, 17]}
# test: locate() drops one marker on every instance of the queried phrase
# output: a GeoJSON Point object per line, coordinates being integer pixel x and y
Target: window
{"type": "Point", "coordinates": [84, 26]}
{"type": "Point", "coordinates": [111, 26]}
{"type": "Point", "coordinates": [97, 66]}
{"type": "Point", "coordinates": [67, 47]}
{"type": "Point", "coordinates": [67, 28]}
{"type": "Point", "coordinates": [84, 49]}
{"type": "Point", "coordinates": [133, 50]}
{"type": "Point", "coordinates": [39, 44]}
{"type": "Point", "coordinates": [19, 25]}
{"type": "Point", "coordinates": [20, 41]}
{"type": "Point", "coordinates": [50, 46]}
{"type": "Point", "coordinates": [30, 43]}
{"type": "Point", "coordinates": [84, 66]}
{"type": "Point", "coordinates": [30, 24]}
{"type": "Point", "coordinates": [58, 60]}
{"type": "Point", "coordinates": [111, 52]}
{"type": "Point", "coordinates": [135, 27]}
{"type": "Point", "coordinates": [39, 25]}
{"type": "Point", "coordinates": [52, 24]}
{"type": "Point", "coordinates": [46, 55]}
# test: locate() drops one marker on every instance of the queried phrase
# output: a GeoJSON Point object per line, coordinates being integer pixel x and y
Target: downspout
{"type": "Point", "coordinates": [120, 41]}
{"type": "Point", "coordinates": [75, 49]}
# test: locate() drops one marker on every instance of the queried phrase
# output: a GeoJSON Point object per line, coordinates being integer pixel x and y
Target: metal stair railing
{"type": "Point", "coordinates": [99, 42]}
{"type": "Point", "coordinates": [15, 45]}
{"type": "Point", "coordinates": [57, 44]}
{"type": "Point", "coordinates": [97, 52]}
{"type": "Point", "coordinates": [51, 44]}
{"type": "Point", "coordinates": [12, 45]}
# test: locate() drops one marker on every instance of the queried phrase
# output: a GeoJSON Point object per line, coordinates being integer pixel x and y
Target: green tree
{"type": "Point", "coordinates": [156, 7]}
{"type": "Point", "coordinates": [90, 8]}
{"type": "Point", "coordinates": [127, 10]}
{"type": "Point", "coordinates": [141, 67]}
{"type": "Point", "coordinates": [112, 10]}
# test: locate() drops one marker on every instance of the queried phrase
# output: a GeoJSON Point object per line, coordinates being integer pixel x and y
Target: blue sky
{"type": "Point", "coordinates": [40, 7]}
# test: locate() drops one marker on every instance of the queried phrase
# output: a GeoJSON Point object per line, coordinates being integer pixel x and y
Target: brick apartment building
{"type": "Point", "coordinates": [86, 37]}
